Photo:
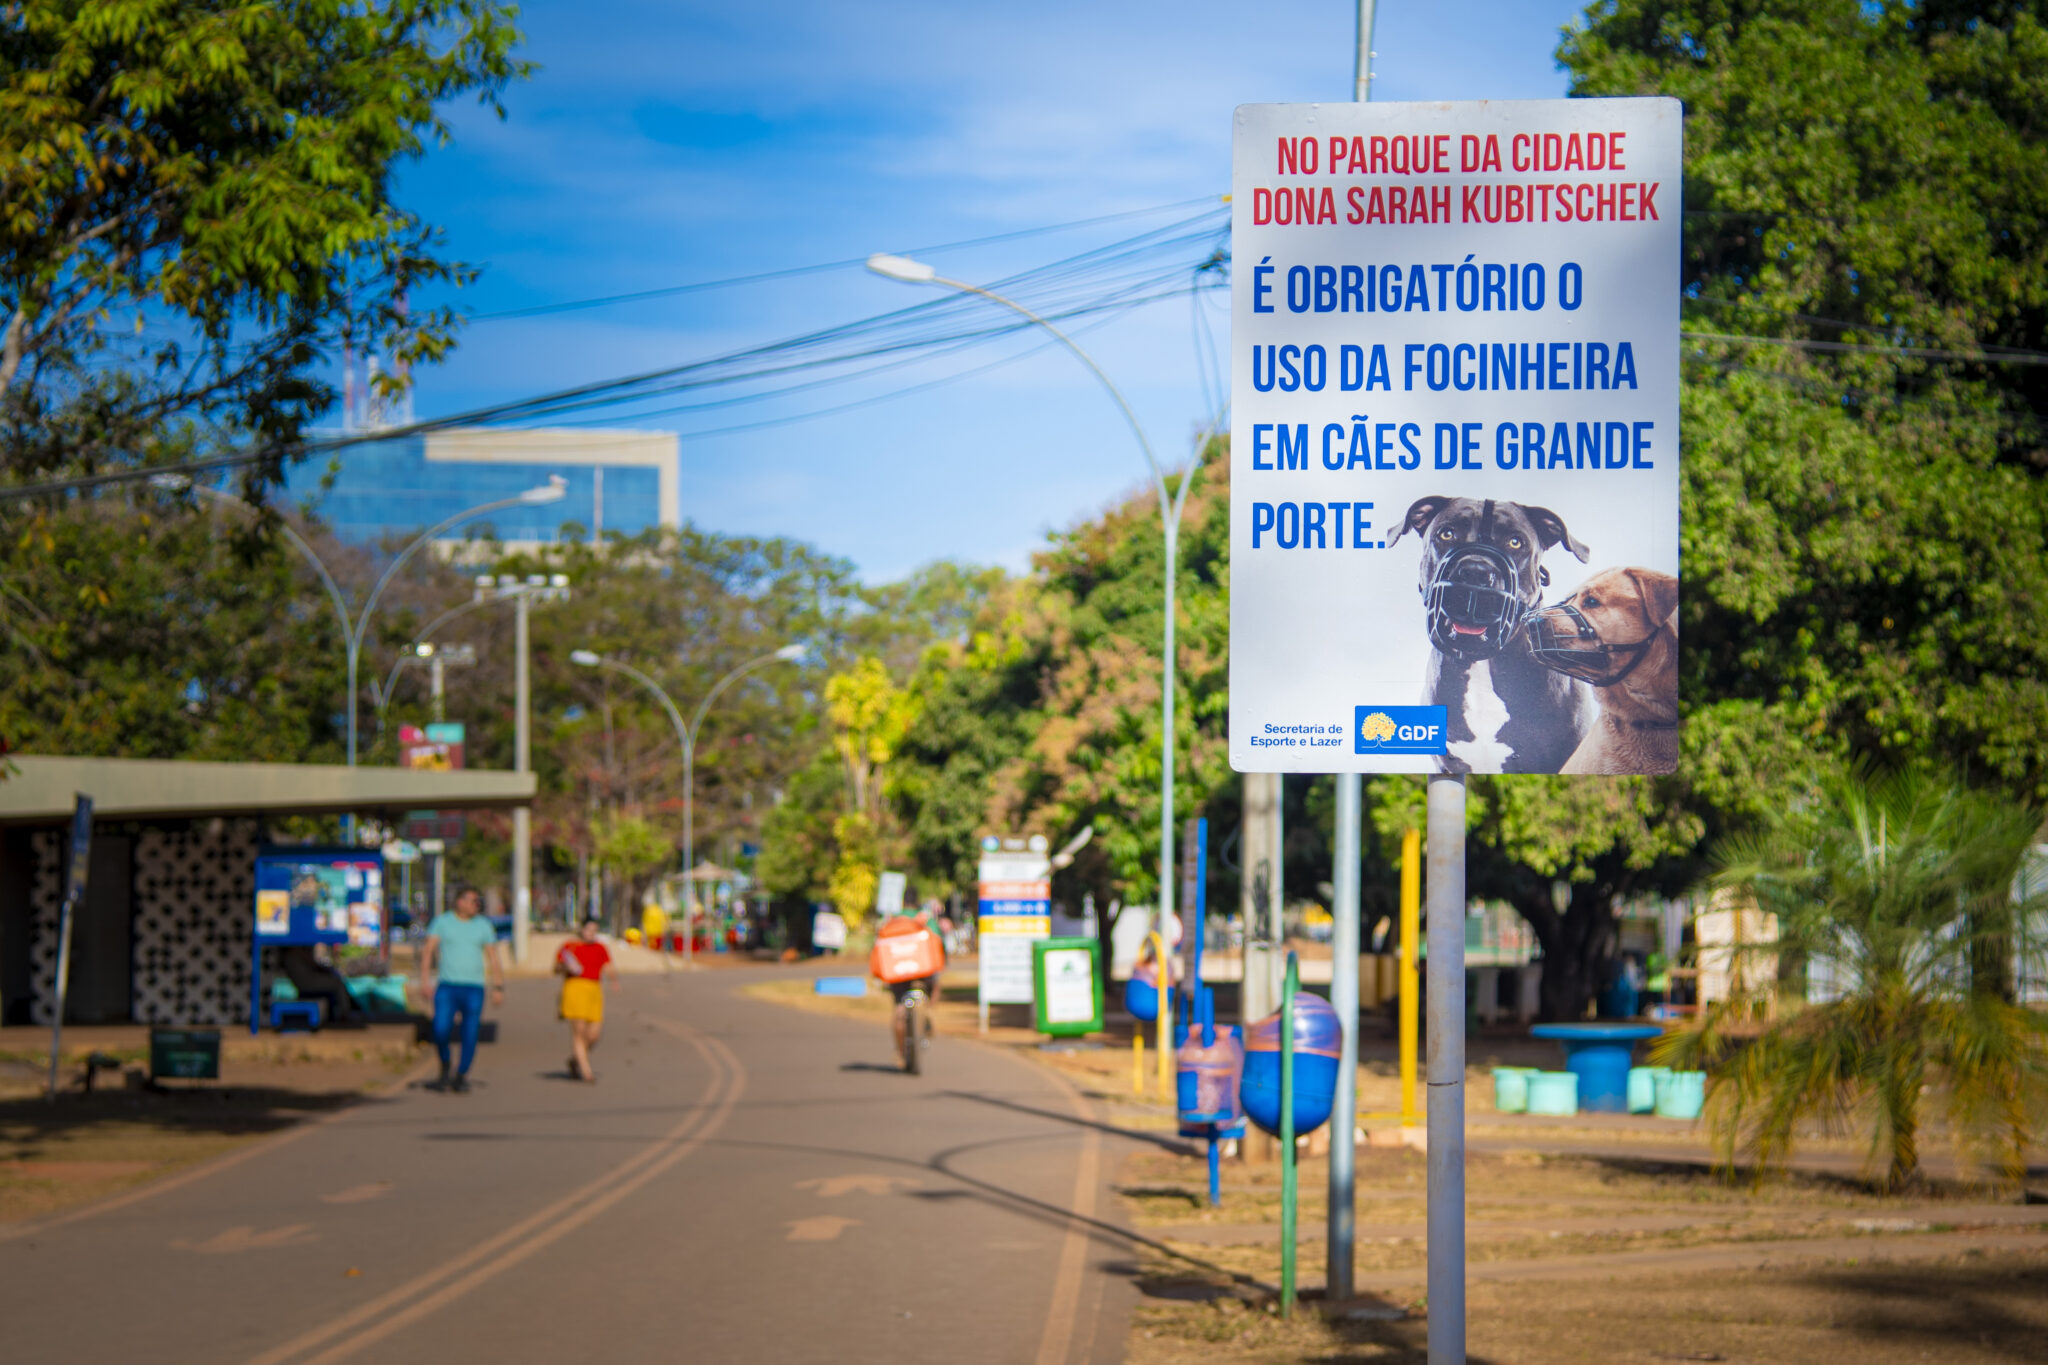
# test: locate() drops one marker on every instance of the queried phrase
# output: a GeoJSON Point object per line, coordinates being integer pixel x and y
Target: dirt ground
{"type": "Point", "coordinates": [1597, 1238]}
{"type": "Point", "coordinates": [1575, 1258]}
{"type": "Point", "coordinates": [80, 1147]}
{"type": "Point", "coordinates": [1962, 1308]}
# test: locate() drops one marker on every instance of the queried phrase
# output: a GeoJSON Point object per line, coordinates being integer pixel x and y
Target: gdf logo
{"type": "Point", "coordinates": [1399, 730]}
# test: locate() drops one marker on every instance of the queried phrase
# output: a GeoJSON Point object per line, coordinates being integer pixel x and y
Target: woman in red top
{"type": "Point", "coordinates": [583, 965]}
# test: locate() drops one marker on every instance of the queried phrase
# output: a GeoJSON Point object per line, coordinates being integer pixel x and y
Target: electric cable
{"type": "Point", "coordinates": [671, 291]}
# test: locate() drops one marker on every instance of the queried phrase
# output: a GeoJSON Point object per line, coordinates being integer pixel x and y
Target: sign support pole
{"type": "Point", "coordinates": [74, 901]}
{"type": "Point", "coordinates": [1344, 932]}
{"type": "Point", "coordinates": [1410, 985]}
{"type": "Point", "coordinates": [1446, 1060]}
{"type": "Point", "coordinates": [1344, 1000]}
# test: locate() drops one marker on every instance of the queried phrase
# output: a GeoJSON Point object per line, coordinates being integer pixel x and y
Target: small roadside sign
{"type": "Point", "coordinates": [1066, 975]}
{"type": "Point", "coordinates": [1454, 441]}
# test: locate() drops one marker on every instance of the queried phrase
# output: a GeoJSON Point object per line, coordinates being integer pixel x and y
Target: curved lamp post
{"type": "Point", "coordinates": [420, 648]}
{"type": "Point", "coordinates": [907, 271]}
{"type": "Point", "coordinates": [686, 735]}
{"type": "Point", "coordinates": [554, 490]}
{"type": "Point", "coordinates": [353, 632]}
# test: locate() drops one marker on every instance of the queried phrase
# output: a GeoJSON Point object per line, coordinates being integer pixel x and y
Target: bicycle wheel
{"type": "Point", "coordinates": [911, 1025]}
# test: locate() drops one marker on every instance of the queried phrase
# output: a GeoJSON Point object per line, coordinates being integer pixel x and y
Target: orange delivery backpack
{"type": "Point", "coordinates": [905, 950]}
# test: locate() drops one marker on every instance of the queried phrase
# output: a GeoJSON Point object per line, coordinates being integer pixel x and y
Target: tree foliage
{"type": "Point", "coordinates": [1863, 529]}
{"type": "Point", "coordinates": [196, 210]}
{"type": "Point", "coordinates": [133, 627]}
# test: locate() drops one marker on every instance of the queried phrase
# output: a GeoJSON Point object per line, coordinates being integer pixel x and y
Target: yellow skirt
{"type": "Point", "coordinates": [582, 999]}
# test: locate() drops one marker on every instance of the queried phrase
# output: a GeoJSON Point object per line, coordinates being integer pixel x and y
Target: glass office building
{"type": "Point", "coordinates": [623, 481]}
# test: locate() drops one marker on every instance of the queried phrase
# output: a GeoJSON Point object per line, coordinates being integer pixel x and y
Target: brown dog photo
{"type": "Point", "coordinates": [1619, 633]}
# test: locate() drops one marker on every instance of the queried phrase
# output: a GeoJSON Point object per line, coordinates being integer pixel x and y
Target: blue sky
{"type": "Point", "coordinates": [662, 144]}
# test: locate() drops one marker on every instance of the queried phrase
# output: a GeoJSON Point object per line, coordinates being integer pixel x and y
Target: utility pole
{"type": "Point", "coordinates": [522, 761]}
{"type": "Point", "coordinates": [1344, 932]}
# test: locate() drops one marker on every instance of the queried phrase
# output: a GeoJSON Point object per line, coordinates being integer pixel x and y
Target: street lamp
{"type": "Point", "coordinates": [522, 595]}
{"type": "Point", "coordinates": [352, 633]}
{"type": "Point", "coordinates": [554, 490]}
{"type": "Point", "coordinates": [422, 647]}
{"type": "Point", "coordinates": [908, 271]}
{"type": "Point", "coordinates": [686, 735]}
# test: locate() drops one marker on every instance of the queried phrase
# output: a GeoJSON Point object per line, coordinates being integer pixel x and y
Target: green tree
{"type": "Point", "coordinates": [129, 626]}
{"type": "Point", "coordinates": [631, 849]}
{"type": "Point", "coordinates": [1862, 529]}
{"type": "Point", "coordinates": [196, 210]}
{"type": "Point", "coordinates": [1890, 887]}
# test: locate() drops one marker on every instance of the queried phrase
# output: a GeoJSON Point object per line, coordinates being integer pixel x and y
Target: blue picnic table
{"type": "Point", "coordinates": [1600, 1056]}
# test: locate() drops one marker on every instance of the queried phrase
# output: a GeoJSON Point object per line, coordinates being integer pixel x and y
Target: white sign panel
{"type": "Point", "coordinates": [1454, 440]}
{"type": "Point", "coordinates": [1069, 986]}
{"type": "Point", "coordinates": [1014, 911]}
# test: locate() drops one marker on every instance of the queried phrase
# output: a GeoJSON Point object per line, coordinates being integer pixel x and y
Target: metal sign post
{"type": "Point", "coordinates": [1446, 1048]}
{"type": "Point", "coordinates": [1344, 933]}
{"type": "Point", "coordinates": [74, 901]}
{"type": "Point", "coordinates": [1344, 1000]}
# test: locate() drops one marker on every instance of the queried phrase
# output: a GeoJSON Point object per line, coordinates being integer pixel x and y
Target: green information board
{"type": "Point", "coordinates": [186, 1054]}
{"type": "Point", "coordinates": [1066, 986]}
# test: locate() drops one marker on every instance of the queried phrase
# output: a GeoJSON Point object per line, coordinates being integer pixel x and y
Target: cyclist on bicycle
{"type": "Point", "coordinates": [898, 932]}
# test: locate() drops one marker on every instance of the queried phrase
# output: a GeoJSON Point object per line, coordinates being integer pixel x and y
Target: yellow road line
{"type": "Point", "coordinates": [1064, 1311]}
{"type": "Point", "coordinates": [536, 1231]}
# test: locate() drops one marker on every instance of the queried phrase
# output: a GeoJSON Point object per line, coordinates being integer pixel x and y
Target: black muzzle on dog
{"type": "Point", "coordinates": [1576, 649]}
{"type": "Point", "coordinates": [1474, 601]}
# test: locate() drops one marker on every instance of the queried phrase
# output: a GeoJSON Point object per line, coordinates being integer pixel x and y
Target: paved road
{"type": "Point", "coordinates": [746, 1182]}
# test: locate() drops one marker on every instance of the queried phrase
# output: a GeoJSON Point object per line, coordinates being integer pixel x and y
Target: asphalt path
{"type": "Point", "coordinates": [745, 1182]}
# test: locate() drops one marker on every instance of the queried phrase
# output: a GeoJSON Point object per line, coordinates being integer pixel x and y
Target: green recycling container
{"type": "Point", "coordinates": [1511, 1089]}
{"type": "Point", "coordinates": [1681, 1094]}
{"type": "Point", "coordinates": [1554, 1092]}
{"type": "Point", "coordinates": [1642, 1087]}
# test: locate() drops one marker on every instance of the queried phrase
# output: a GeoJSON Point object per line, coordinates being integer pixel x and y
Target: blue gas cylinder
{"type": "Point", "coordinates": [1211, 1065]}
{"type": "Point", "coordinates": [1318, 1043]}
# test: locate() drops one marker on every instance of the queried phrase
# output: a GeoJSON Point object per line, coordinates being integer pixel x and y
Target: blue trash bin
{"type": "Point", "coordinates": [1317, 1043]}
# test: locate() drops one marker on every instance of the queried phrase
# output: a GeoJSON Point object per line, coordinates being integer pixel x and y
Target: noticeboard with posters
{"type": "Point", "coordinates": [1454, 458]}
{"type": "Point", "coordinates": [319, 895]}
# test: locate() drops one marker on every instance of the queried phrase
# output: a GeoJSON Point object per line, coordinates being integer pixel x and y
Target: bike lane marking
{"type": "Point", "coordinates": [256, 1148]}
{"type": "Point", "coordinates": [537, 1230]}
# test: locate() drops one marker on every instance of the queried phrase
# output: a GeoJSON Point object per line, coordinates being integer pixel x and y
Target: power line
{"type": "Point", "coordinates": [1841, 324]}
{"type": "Point", "coordinates": [2000, 356]}
{"type": "Point", "coordinates": [730, 281]}
{"type": "Point", "coordinates": [1115, 276]}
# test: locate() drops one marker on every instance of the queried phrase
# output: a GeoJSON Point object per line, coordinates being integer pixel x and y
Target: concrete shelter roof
{"type": "Point", "coordinates": [40, 789]}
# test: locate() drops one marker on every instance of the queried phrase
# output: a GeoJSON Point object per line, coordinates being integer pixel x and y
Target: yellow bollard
{"type": "Point", "coordinates": [1165, 1017]}
{"type": "Point", "coordinates": [1411, 918]}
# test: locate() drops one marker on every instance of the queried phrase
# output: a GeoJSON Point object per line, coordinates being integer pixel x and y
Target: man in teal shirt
{"type": "Point", "coordinates": [462, 949]}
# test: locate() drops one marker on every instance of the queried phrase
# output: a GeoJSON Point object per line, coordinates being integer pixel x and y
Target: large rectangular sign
{"type": "Point", "coordinates": [1014, 911]}
{"type": "Point", "coordinates": [1454, 440]}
